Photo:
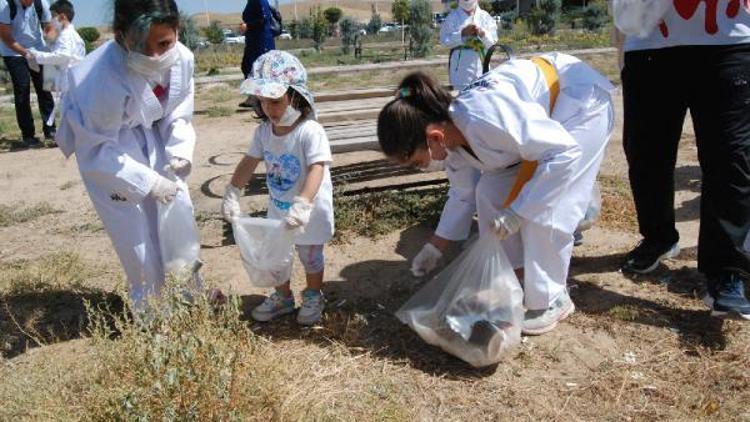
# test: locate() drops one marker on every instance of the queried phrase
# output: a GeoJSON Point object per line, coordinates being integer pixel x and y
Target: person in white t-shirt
{"type": "Point", "coordinates": [695, 56]}
{"type": "Point", "coordinates": [297, 156]}
{"type": "Point", "coordinates": [554, 111]}
{"type": "Point", "coordinates": [469, 31]}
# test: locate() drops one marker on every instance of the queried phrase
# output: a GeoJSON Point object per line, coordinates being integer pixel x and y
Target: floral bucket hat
{"type": "Point", "coordinates": [273, 73]}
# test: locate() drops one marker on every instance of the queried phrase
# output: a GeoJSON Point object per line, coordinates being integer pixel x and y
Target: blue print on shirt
{"type": "Point", "coordinates": [282, 172]}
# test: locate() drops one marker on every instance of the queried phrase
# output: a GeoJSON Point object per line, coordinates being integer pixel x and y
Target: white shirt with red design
{"type": "Point", "coordinates": [698, 22]}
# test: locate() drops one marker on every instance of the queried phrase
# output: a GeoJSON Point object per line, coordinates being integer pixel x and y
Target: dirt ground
{"type": "Point", "coordinates": [636, 349]}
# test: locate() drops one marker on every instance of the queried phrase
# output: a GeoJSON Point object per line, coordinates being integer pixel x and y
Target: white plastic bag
{"type": "Point", "coordinates": [266, 248]}
{"type": "Point", "coordinates": [593, 211]}
{"type": "Point", "coordinates": [179, 240]}
{"type": "Point", "coordinates": [49, 78]}
{"type": "Point", "coordinates": [473, 309]}
{"type": "Point", "coordinates": [639, 17]}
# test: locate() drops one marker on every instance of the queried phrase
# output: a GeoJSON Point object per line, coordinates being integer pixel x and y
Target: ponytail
{"type": "Point", "coordinates": [420, 100]}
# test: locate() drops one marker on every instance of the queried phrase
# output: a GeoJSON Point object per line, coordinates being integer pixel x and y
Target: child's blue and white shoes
{"type": "Point", "coordinates": [272, 307]}
{"type": "Point", "coordinates": [313, 304]}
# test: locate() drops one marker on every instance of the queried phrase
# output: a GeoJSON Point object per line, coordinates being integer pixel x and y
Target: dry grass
{"type": "Point", "coordinates": [618, 208]}
{"type": "Point", "coordinates": [17, 214]}
{"type": "Point", "coordinates": [373, 215]}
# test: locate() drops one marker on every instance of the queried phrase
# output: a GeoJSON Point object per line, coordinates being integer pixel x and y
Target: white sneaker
{"type": "Point", "coordinates": [313, 303]}
{"type": "Point", "coordinates": [543, 321]}
{"type": "Point", "coordinates": [273, 306]}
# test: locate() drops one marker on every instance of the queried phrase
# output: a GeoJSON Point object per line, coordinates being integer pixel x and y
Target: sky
{"type": "Point", "coordinates": [99, 12]}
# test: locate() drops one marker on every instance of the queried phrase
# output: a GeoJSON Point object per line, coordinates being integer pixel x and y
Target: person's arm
{"type": "Point", "coordinates": [459, 209]}
{"type": "Point", "coordinates": [6, 35]}
{"type": "Point", "coordinates": [63, 53]}
{"type": "Point", "coordinates": [488, 31]}
{"type": "Point", "coordinates": [450, 33]}
{"type": "Point", "coordinates": [313, 181]}
{"type": "Point", "coordinates": [244, 171]}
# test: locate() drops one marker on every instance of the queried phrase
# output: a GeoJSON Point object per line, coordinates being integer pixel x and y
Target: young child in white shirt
{"type": "Point", "coordinates": [64, 51]}
{"type": "Point", "coordinates": [297, 157]}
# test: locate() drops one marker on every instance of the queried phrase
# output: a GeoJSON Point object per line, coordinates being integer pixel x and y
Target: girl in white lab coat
{"type": "Point", "coordinates": [550, 118]}
{"type": "Point", "coordinates": [297, 157]}
{"type": "Point", "coordinates": [471, 31]}
{"type": "Point", "coordinates": [127, 116]}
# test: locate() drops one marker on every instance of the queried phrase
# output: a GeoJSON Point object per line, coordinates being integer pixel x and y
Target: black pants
{"type": "Point", "coordinates": [22, 78]}
{"type": "Point", "coordinates": [713, 82]}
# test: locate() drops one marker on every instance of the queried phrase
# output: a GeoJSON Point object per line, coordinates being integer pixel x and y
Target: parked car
{"type": "Point", "coordinates": [236, 39]}
{"type": "Point", "coordinates": [362, 32]}
{"type": "Point", "coordinates": [285, 35]}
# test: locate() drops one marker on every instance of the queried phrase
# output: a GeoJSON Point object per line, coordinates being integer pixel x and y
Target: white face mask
{"type": "Point", "coordinates": [434, 165]}
{"type": "Point", "coordinates": [153, 67]}
{"type": "Point", "coordinates": [468, 5]}
{"type": "Point", "coordinates": [289, 117]}
{"type": "Point", "coordinates": [57, 25]}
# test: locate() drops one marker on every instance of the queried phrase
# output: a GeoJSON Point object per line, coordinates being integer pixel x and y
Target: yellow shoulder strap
{"type": "Point", "coordinates": [528, 168]}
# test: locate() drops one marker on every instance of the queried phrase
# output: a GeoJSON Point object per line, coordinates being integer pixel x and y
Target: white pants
{"type": "Point", "coordinates": [542, 251]}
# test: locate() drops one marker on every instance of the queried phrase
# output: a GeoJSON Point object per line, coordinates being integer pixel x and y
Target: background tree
{"type": "Point", "coordinates": [400, 11]}
{"type": "Point", "coordinates": [349, 28]}
{"type": "Point", "coordinates": [213, 33]}
{"type": "Point", "coordinates": [189, 34]}
{"type": "Point", "coordinates": [595, 16]}
{"type": "Point", "coordinates": [90, 35]}
{"type": "Point", "coordinates": [332, 16]}
{"type": "Point", "coordinates": [319, 28]}
{"type": "Point", "coordinates": [486, 5]}
{"type": "Point", "coordinates": [293, 28]}
{"type": "Point", "coordinates": [421, 27]}
{"type": "Point", "coordinates": [306, 28]}
{"type": "Point", "coordinates": [375, 24]}
{"type": "Point", "coordinates": [543, 18]}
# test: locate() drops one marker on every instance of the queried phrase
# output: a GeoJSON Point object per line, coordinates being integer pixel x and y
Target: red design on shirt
{"type": "Point", "coordinates": [159, 91]}
{"type": "Point", "coordinates": [686, 10]}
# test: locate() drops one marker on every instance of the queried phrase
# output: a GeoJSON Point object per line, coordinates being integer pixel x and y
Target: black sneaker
{"type": "Point", "coordinates": [726, 297]}
{"type": "Point", "coordinates": [32, 142]}
{"type": "Point", "coordinates": [647, 256]}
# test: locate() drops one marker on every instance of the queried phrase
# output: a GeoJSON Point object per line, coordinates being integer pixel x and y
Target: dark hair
{"type": "Point", "coordinates": [133, 18]}
{"type": "Point", "coordinates": [296, 100]}
{"type": "Point", "coordinates": [420, 100]}
{"type": "Point", "coordinates": [63, 7]}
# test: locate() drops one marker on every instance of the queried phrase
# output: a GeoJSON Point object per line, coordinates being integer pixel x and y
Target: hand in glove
{"type": "Point", "coordinates": [426, 260]}
{"type": "Point", "coordinates": [299, 213]}
{"type": "Point", "coordinates": [506, 224]}
{"type": "Point", "coordinates": [164, 190]}
{"type": "Point", "coordinates": [180, 167]}
{"type": "Point", "coordinates": [230, 206]}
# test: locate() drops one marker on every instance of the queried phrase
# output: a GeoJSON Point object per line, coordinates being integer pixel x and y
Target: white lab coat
{"type": "Point", "coordinates": [123, 136]}
{"type": "Point", "coordinates": [67, 50]}
{"type": "Point", "coordinates": [505, 118]}
{"type": "Point", "coordinates": [465, 64]}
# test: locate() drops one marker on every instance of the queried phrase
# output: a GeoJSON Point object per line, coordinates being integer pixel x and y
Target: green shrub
{"type": "Point", "coordinates": [375, 24]}
{"type": "Point", "coordinates": [189, 34]}
{"type": "Point", "coordinates": [421, 27]}
{"type": "Point", "coordinates": [213, 33]}
{"type": "Point", "coordinates": [595, 16]}
{"type": "Point", "coordinates": [543, 18]}
{"type": "Point", "coordinates": [349, 28]}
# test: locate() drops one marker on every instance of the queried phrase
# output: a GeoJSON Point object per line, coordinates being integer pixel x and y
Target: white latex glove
{"type": "Point", "coordinates": [299, 213]}
{"type": "Point", "coordinates": [31, 61]}
{"type": "Point", "coordinates": [180, 167]}
{"type": "Point", "coordinates": [164, 190]}
{"type": "Point", "coordinates": [506, 223]}
{"type": "Point", "coordinates": [230, 206]}
{"type": "Point", "coordinates": [426, 260]}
